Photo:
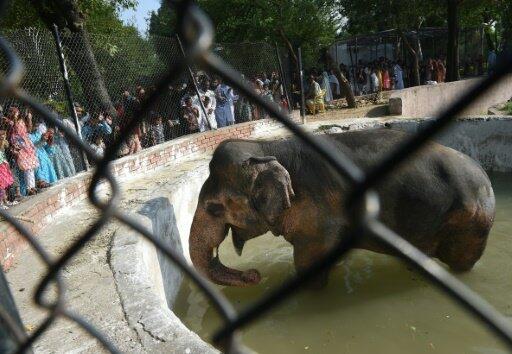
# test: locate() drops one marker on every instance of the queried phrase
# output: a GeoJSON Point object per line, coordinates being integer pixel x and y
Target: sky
{"type": "Point", "coordinates": [140, 15]}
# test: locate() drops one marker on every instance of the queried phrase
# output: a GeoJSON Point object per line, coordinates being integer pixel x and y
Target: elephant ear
{"type": "Point", "coordinates": [272, 188]}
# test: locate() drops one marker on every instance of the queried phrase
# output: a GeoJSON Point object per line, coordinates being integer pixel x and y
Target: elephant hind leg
{"type": "Point", "coordinates": [463, 238]}
{"type": "Point", "coordinates": [306, 254]}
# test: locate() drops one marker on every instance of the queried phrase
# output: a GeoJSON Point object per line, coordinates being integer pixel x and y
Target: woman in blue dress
{"type": "Point", "coordinates": [45, 173]}
{"type": "Point", "coordinates": [58, 150]}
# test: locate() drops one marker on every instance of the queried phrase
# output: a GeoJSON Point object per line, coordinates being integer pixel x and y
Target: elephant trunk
{"type": "Point", "coordinates": [206, 234]}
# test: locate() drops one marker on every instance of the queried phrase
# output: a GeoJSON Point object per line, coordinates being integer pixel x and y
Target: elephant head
{"type": "Point", "coordinates": [247, 195]}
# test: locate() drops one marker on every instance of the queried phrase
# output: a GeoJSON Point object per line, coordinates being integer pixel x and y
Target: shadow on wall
{"type": "Point", "coordinates": [486, 140]}
{"type": "Point", "coordinates": [376, 112]}
{"type": "Point", "coordinates": [163, 221]}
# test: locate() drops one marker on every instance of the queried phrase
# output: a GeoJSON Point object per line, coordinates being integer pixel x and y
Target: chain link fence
{"type": "Point", "coordinates": [109, 77]}
{"type": "Point", "coordinates": [362, 205]}
{"type": "Point", "coordinates": [359, 55]}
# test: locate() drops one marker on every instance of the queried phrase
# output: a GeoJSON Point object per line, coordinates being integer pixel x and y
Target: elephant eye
{"type": "Point", "coordinates": [215, 209]}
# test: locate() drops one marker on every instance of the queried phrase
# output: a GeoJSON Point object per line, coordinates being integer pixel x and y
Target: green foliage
{"type": "Point", "coordinates": [126, 60]}
{"type": "Point", "coordinates": [367, 16]}
{"type": "Point", "coordinates": [20, 14]}
{"type": "Point", "coordinates": [508, 108]}
{"type": "Point", "coordinates": [101, 16]}
{"type": "Point", "coordinates": [311, 24]}
{"type": "Point", "coordinates": [60, 107]}
{"type": "Point", "coordinates": [163, 21]}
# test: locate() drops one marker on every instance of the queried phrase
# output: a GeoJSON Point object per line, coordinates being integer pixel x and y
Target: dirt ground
{"type": "Point", "coordinates": [90, 287]}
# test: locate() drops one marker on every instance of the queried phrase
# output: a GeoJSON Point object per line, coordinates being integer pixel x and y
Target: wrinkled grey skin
{"type": "Point", "coordinates": [442, 202]}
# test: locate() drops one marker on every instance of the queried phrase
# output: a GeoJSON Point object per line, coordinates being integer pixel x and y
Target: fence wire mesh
{"type": "Point", "coordinates": [109, 77]}
{"type": "Point", "coordinates": [198, 52]}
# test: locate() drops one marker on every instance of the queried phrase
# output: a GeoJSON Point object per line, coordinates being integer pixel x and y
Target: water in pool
{"type": "Point", "coordinates": [373, 303]}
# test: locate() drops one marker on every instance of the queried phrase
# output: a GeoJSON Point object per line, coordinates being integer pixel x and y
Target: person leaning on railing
{"type": "Point", "coordinates": [96, 125]}
{"type": "Point", "coordinates": [190, 116]}
{"type": "Point", "coordinates": [156, 129]}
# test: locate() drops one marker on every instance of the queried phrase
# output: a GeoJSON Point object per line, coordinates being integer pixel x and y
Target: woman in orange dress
{"type": "Point", "coordinates": [386, 79]}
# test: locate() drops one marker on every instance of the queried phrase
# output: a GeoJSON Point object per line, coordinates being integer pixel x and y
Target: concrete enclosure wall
{"type": "Point", "coordinates": [486, 140]}
{"type": "Point", "coordinates": [428, 100]}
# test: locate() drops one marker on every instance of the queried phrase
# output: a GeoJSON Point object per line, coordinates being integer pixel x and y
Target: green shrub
{"type": "Point", "coordinates": [508, 108]}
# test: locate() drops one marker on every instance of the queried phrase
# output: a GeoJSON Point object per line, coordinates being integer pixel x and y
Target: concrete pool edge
{"type": "Point", "coordinates": [134, 261]}
{"type": "Point", "coordinates": [138, 268]}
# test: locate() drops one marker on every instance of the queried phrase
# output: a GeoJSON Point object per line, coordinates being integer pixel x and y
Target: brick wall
{"type": "Point", "coordinates": [38, 211]}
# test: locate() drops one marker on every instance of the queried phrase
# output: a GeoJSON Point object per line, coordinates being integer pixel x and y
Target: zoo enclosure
{"type": "Point", "coordinates": [433, 45]}
{"type": "Point", "coordinates": [363, 204]}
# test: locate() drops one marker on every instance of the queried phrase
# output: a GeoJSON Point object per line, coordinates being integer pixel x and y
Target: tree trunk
{"type": "Point", "coordinates": [81, 58]}
{"type": "Point", "coordinates": [487, 19]}
{"type": "Point", "coordinates": [345, 88]}
{"type": "Point", "coordinates": [489, 40]}
{"type": "Point", "coordinates": [415, 59]}
{"type": "Point", "coordinates": [452, 60]}
{"type": "Point", "coordinates": [289, 46]}
{"type": "Point", "coordinates": [507, 30]}
{"type": "Point", "coordinates": [67, 16]}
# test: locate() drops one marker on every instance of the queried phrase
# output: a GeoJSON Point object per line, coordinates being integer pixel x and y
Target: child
{"type": "Point", "coordinates": [156, 130]}
{"type": "Point", "coordinates": [6, 177]}
{"type": "Point", "coordinates": [98, 145]}
{"type": "Point", "coordinates": [284, 103]}
{"type": "Point", "coordinates": [191, 116]}
{"type": "Point", "coordinates": [134, 145]}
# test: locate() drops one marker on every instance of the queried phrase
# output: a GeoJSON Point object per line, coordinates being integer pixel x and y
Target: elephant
{"type": "Point", "coordinates": [441, 201]}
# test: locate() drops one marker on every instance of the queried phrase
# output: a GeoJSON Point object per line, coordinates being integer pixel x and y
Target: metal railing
{"type": "Point", "coordinates": [197, 35]}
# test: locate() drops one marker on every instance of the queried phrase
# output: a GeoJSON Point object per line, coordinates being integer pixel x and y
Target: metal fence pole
{"type": "Point", "coordinates": [9, 319]}
{"type": "Point", "coordinates": [283, 83]}
{"type": "Point", "coordinates": [302, 96]}
{"type": "Point", "coordinates": [194, 83]}
{"type": "Point", "coordinates": [482, 41]}
{"type": "Point", "coordinates": [67, 87]}
{"type": "Point", "coordinates": [357, 52]}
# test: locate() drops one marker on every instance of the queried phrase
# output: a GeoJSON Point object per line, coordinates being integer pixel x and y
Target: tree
{"type": "Point", "coordinates": [405, 16]}
{"type": "Point", "coordinates": [73, 17]}
{"type": "Point", "coordinates": [452, 58]}
{"type": "Point", "coordinates": [309, 24]}
{"type": "Point", "coordinates": [367, 16]}
{"type": "Point", "coordinates": [344, 83]}
{"type": "Point", "coordinates": [293, 23]}
{"type": "Point", "coordinates": [506, 15]}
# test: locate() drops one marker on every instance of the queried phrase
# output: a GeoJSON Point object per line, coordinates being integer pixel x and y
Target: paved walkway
{"type": "Point", "coordinates": [90, 287]}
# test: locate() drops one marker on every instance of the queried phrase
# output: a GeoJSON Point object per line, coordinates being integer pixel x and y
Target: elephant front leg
{"type": "Point", "coordinates": [306, 254]}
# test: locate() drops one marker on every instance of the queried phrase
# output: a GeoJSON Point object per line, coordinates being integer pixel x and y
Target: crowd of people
{"type": "Point", "coordinates": [218, 105]}
{"type": "Point", "coordinates": [321, 87]}
{"type": "Point", "coordinates": [187, 109]}
{"type": "Point", "coordinates": [34, 156]}
{"type": "Point", "coordinates": [190, 108]}
{"type": "Point", "coordinates": [384, 75]}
